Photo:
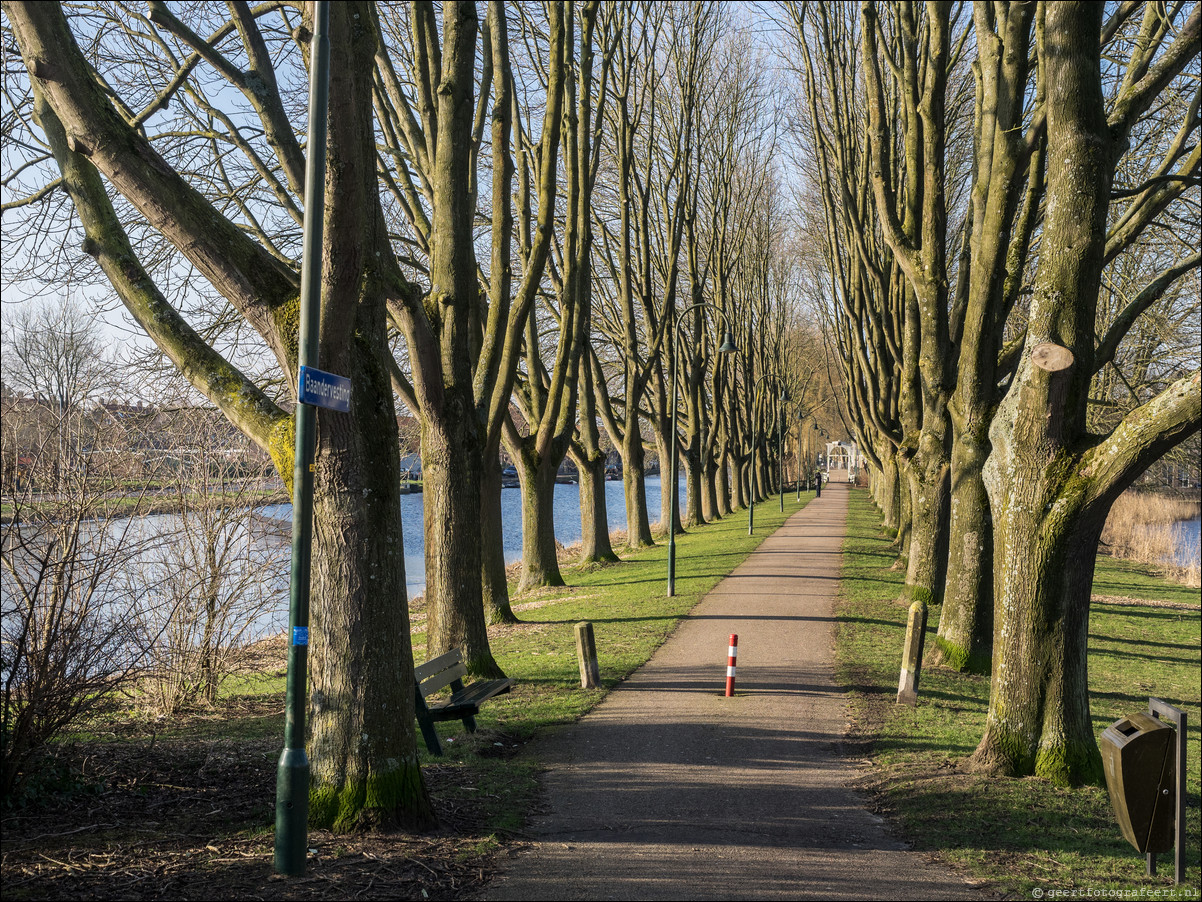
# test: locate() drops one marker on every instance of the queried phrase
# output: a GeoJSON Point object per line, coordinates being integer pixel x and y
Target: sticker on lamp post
{"type": "Point", "coordinates": [322, 389]}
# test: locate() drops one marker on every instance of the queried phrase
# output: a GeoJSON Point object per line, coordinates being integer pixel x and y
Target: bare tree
{"type": "Point", "coordinates": [463, 341]}
{"type": "Point", "coordinates": [1051, 482]}
{"type": "Point", "coordinates": [178, 152]}
{"type": "Point", "coordinates": [864, 320]}
{"type": "Point", "coordinates": [1049, 477]}
{"type": "Point", "coordinates": [54, 353]}
{"type": "Point", "coordinates": [547, 396]}
{"type": "Point", "coordinates": [632, 330]}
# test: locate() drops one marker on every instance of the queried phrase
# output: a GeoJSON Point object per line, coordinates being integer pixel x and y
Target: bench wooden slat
{"type": "Point", "coordinates": [437, 665]}
{"type": "Point", "coordinates": [469, 699]}
{"type": "Point", "coordinates": [478, 693]}
{"type": "Point", "coordinates": [442, 679]}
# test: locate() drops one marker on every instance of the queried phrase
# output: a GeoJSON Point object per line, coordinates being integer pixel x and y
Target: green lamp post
{"type": "Point", "coordinates": [292, 774]}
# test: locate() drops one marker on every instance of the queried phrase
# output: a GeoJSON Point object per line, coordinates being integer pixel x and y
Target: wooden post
{"type": "Point", "coordinates": [916, 628]}
{"type": "Point", "coordinates": [586, 653]}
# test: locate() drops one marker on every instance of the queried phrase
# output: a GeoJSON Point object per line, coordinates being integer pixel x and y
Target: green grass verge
{"type": "Point", "coordinates": [1025, 834]}
{"type": "Point", "coordinates": [632, 615]}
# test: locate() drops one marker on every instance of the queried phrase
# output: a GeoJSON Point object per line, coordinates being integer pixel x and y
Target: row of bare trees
{"type": "Point", "coordinates": [1008, 215]}
{"type": "Point", "coordinates": [519, 200]}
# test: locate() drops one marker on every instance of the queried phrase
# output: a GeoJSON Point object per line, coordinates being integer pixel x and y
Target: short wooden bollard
{"type": "Point", "coordinates": [916, 631]}
{"type": "Point", "coordinates": [586, 653]}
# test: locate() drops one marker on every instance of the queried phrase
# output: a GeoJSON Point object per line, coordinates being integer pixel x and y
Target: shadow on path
{"type": "Point", "coordinates": [669, 790]}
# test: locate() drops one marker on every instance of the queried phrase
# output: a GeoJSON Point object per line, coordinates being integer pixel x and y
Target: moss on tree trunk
{"type": "Point", "coordinates": [964, 639]}
{"type": "Point", "coordinates": [1038, 721]}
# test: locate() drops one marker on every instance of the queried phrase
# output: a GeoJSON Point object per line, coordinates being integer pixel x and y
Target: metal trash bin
{"type": "Point", "coordinates": [1137, 755]}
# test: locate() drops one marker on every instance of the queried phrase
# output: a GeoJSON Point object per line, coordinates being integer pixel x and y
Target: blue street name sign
{"type": "Point", "coordinates": [324, 389]}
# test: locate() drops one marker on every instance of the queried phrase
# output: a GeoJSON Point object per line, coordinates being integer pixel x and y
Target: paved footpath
{"type": "Point", "coordinates": [669, 790]}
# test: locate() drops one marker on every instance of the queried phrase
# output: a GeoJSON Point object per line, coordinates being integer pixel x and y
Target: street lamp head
{"type": "Point", "coordinates": [728, 343]}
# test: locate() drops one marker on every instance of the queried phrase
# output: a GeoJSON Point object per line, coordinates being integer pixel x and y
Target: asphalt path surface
{"type": "Point", "coordinates": [670, 790]}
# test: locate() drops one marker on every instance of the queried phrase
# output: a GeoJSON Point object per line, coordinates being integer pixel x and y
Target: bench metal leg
{"type": "Point", "coordinates": [430, 734]}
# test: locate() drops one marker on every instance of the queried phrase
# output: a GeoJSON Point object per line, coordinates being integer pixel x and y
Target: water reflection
{"type": "Point", "coordinates": [1187, 538]}
{"type": "Point", "coordinates": [115, 593]}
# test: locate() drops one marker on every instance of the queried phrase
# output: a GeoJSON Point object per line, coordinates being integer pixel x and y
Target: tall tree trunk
{"type": "Point", "coordinates": [442, 351]}
{"type": "Point", "coordinates": [737, 482]}
{"type": "Point", "coordinates": [540, 560]}
{"type": "Point", "coordinates": [1050, 481]}
{"type": "Point", "coordinates": [904, 511]}
{"type": "Point", "coordinates": [994, 255]}
{"type": "Point", "coordinates": [709, 490]}
{"type": "Point", "coordinates": [494, 581]}
{"type": "Point", "coordinates": [451, 498]}
{"type": "Point", "coordinates": [638, 524]}
{"type": "Point", "coordinates": [590, 462]}
{"type": "Point", "coordinates": [929, 483]}
{"type": "Point", "coordinates": [1039, 701]}
{"type": "Point", "coordinates": [594, 509]}
{"type": "Point", "coordinates": [360, 777]}
{"type": "Point", "coordinates": [721, 484]}
{"type": "Point", "coordinates": [694, 478]}
{"type": "Point", "coordinates": [663, 448]}
{"type": "Point", "coordinates": [365, 772]}
{"type": "Point", "coordinates": [888, 495]}
{"type": "Point", "coordinates": [965, 631]}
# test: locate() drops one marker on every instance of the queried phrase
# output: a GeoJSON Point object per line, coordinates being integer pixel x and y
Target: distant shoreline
{"type": "Point", "coordinates": [154, 505]}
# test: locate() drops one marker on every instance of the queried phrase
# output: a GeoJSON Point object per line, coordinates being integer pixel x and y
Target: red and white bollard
{"type": "Point", "coordinates": [731, 654]}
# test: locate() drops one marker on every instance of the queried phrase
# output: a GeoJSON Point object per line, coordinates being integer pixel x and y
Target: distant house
{"type": "Point", "coordinates": [411, 466]}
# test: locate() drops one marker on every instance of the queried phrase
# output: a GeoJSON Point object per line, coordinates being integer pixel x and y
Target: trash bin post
{"type": "Point", "coordinates": [1162, 710]}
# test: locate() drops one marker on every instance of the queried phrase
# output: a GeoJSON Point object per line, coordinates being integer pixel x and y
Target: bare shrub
{"type": "Point", "coordinates": [69, 584]}
{"type": "Point", "coordinates": [219, 576]}
{"type": "Point", "coordinates": [67, 545]}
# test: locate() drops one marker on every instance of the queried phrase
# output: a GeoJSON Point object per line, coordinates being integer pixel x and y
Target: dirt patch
{"type": "Point", "coordinates": [869, 709]}
{"type": "Point", "coordinates": [1144, 602]}
{"type": "Point", "coordinates": [130, 814]}
{"type": "Point", "coordinates": [193, 820]}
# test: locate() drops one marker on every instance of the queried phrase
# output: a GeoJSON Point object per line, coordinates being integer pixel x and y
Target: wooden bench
{"type": "Point", "coordinates": [464, 704]}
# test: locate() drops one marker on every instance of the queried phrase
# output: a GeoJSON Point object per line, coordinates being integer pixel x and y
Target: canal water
{"type": "Point", "coordinates": [149, 583]}
{"type": "Point", "coordinates": [567, 521]}
{"type": "Point", "coordinates": [1188, 541]}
